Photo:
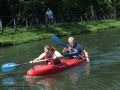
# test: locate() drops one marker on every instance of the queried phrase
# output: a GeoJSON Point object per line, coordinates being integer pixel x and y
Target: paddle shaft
{"type": "Point", "coordinates": [53, 58]}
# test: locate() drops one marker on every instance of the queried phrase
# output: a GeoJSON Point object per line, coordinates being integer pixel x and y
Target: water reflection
{"type": "Point", "coordinates": [8, 81]}
{"type": "Point", "coordinates": [11, 83]}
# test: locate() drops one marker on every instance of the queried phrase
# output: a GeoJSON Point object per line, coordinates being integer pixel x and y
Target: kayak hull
{"type": "Point", "coordinates": [45, 70]}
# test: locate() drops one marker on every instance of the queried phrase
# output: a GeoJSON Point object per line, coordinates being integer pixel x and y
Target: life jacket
{"type": "Point", "coordinates": [49, 56]}
{"type": "Point", "coordinates": [77, 48]}
{"type": "Point", "coordinates": [50, 60]}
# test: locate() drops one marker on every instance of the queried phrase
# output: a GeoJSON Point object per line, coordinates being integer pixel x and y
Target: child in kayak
{"type": "Point", "coordinates": [74, 47]}
{"type": "Point", "coordinates": [50, 56]}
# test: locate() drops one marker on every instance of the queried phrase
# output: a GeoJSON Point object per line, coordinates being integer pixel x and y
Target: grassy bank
{"type": "Point", "coordinates": [24, 35]}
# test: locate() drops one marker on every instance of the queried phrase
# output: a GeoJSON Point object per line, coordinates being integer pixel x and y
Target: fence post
{"type": "Point", "coordinates": [37, 21]}
{"type": "Point", "coordinates": [1, 26]}
{"type": "Point", "coordinates": [26, 23]}
{"type": "Point", "coordinates": [14, 23]}
{"type": "Point", "coordinates": [81, 20]}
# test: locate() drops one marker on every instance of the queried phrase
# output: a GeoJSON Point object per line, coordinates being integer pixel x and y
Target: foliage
{"type": "Point", "coordinates": [38, 7]}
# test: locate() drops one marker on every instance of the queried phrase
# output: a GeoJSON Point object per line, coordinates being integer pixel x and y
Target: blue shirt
{"type": "Point", "coordinates": [49, 14]}
{"type": "Point", "coordinates": [77, 48]}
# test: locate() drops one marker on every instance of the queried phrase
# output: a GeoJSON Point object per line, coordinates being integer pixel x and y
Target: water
{"type": "Point", "coordinates": [102, 74]}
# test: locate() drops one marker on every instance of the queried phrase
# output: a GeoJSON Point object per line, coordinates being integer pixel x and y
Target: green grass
{"type": "Point", "coordinates": [24, 35]}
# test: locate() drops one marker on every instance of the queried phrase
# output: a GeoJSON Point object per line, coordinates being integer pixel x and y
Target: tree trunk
{"type": "Point", "coordinates": [117, 4]}
{"type": "Point", "coordinates": [93, 8]}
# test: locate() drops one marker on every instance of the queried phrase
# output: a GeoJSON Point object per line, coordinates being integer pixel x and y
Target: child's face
{"type": "Point", "coordinates": [45, 50]}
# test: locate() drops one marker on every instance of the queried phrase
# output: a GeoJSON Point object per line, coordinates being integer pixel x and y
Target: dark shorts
{"type": "Point", "coordinates": [49, 19]}
{"type": "Point", "coordinates": [57, 61]}
{"type": "Point", "coordinates": [53, 62]}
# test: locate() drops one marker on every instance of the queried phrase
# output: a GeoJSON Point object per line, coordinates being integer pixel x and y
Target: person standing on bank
{"type": "Point", "coordinates": [49, 16]}
{"type": "Point", "coordinates": [74, 47]}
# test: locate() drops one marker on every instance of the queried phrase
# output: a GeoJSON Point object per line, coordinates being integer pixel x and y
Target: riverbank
{"type": "Point", "coordinates": [24, 35]}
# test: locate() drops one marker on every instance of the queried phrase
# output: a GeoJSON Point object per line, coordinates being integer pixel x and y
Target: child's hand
{"type": "Point", "coordinates": [31, 61]}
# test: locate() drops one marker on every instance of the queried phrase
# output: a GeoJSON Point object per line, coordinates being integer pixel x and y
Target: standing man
{"type": "Point", "coordinates": [49, 16]}
{"type": "Point", "coordinates": [74, 47]}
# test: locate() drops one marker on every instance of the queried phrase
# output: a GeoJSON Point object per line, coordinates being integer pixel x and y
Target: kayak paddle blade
{"type": "Point", "coordinates": [9, 67]}
{"type": "Point", "coordinates": [57, 40]}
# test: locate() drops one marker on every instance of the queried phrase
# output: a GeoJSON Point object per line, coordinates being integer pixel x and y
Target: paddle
{"type": "Point", "coordinates": [60, 42]}
{"type": "Point", "coordinates": [8, 67]}
{"type": "Point", "coordinates": [57, 40]}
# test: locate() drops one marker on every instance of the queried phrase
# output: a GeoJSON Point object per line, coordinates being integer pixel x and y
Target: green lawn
{"type": "Point", "coordinates": [29, 34]}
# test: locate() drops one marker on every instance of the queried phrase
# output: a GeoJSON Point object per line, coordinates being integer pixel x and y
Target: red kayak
{"type": "Point", "coordinates": [44, 70]}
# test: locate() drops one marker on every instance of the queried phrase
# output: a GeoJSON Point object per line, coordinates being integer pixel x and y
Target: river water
{"type": "Point", "coordinates": [102, 74]}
